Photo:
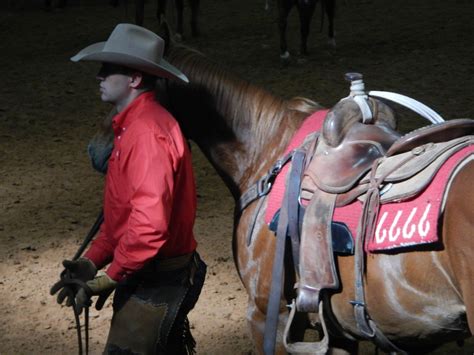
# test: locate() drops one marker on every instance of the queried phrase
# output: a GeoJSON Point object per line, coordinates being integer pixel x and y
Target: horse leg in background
{"type": "Point", "coordinates": [284, 8]}
{"type": "Point", "coordinates": [194, 4]}
{"type": "Point", "coordinates": [179, 5]}
{"type": "Point", "coordinates": [330, 9]}
{"type": "Point", "coordinates": [458, 225]}
{"type": "Point", "coordinates": [160, 9]}
{"type": "Point", "coordinates": [49, 5]}
{"type": "Point", "coordinates": [139, 12]}
{"type": "Point", "coordinates": [305, 11]}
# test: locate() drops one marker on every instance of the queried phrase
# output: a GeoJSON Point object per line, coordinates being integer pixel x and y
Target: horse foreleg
{"type": "Point", "coordinates": [194, 4]}
{"type": "Point", "coordinates": [139, 12]}
{"type": "Point", "coordinates": [330, 9]}
{"type": "Point", "coordinates": [256, 321]}
{"type": "Point", "coordinates": [284, 7]}
{"type": "Point", "coordinates": [305, 11]}
{"type": "Point", "coordinates": [160, 10]}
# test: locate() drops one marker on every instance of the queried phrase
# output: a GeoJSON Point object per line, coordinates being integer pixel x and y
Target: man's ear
{"type": "Point", "coordinates": [136, 79]}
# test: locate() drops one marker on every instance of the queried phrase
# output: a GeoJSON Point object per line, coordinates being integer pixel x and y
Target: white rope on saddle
{"type": "Point", "coordinates": [359, 95]}
{"type": "Point", "coordinates": [412, 104]}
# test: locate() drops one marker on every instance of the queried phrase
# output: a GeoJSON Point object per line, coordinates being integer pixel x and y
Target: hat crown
{"type": "Point", "coordinates": [137, 41]}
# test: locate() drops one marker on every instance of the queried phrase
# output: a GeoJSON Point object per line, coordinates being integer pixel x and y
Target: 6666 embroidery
{"type": "Point", "coordinates": [414, 223]}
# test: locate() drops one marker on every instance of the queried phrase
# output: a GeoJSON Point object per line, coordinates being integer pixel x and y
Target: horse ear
{"type": "Point", "coordinates": [164, 32]}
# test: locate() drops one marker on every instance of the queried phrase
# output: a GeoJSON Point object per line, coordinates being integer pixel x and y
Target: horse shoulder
{"type": "Point", "coordinates": [458, 236]}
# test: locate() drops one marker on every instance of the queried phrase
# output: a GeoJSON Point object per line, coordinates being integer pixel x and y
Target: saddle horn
{"type": "Point", "coordinates": [347, 113]}
{"type": "Point", "coordinates": [367, 108]}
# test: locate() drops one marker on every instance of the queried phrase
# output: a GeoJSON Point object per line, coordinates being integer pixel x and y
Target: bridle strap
{"type": "Point", "coordinates": [92, 232]}
{"type": "Point", "coordinates": [68, 281]}
{"type": "Point", "coordinates": [263, 186]}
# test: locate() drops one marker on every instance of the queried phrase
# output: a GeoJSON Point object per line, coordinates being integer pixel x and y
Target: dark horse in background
{"type": "Point", "coordinates": [305, 11]}
{"type": "Point", "coordinates": [419, 299]}
{"type": "Point", "coordinates": [161, 13]}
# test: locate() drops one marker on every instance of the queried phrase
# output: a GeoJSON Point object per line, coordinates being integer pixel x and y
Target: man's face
{"type": "Point", "coordinates": [114, 83]}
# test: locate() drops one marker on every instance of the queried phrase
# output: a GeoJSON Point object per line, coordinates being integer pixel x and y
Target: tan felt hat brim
{"type": "Point", "coordinates": [96, 53]}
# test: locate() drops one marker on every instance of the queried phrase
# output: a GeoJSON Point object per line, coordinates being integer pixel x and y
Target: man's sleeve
{"type": "Point", "coordinates": [101, 250]}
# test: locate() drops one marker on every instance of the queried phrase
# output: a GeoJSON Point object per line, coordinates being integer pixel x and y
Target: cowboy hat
{"type": "Point", "coordinates": [134, 47]}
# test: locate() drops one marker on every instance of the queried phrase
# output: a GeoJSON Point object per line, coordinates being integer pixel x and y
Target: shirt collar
{"type": "Point", "coordinates": [124, 118]}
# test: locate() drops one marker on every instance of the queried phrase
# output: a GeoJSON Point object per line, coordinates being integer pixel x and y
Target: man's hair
{"type": "Point", "coordinates": [148, 81]}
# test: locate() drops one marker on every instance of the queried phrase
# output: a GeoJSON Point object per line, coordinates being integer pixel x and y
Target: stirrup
{"type": "Point", "coordinates": [302, 347]}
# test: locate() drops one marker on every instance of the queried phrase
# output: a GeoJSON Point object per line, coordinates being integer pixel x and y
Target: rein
{"type": "Point", "coordinates": [69, 281]}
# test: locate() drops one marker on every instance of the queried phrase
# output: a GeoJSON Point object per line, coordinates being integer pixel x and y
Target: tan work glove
{"type": "Point", "coordinates": [102, 286]}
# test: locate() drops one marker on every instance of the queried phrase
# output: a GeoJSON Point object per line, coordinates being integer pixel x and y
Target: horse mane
{"type": "Point", "coordinates": [251, 112]}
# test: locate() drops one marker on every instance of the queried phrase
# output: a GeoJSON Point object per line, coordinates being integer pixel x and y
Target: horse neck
{"type": "Point", "coordinates": [241, 128]}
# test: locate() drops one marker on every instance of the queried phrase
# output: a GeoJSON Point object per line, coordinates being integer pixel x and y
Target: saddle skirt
{"type": "Point", "coordinates": [410, 209]}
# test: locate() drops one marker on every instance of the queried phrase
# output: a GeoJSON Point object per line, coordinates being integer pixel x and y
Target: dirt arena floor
{"type": "Point", "coordinates": [50, 107]}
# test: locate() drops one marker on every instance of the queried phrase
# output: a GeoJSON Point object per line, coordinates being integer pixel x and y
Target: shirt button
{"type": "Point", "coordinates": [119, 137]}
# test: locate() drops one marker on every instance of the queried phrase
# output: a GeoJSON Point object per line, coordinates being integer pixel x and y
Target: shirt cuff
{"type": "Point", "coordinates": [99, 257]}
{"type": "Point", "coordinates": [116, 272]}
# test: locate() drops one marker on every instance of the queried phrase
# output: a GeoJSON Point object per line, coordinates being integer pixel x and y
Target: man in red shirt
{"type": "Point", "coordinates": [149, 205]}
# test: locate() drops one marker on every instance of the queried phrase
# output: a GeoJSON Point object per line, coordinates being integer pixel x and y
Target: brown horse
{"type": "Point", "coordinates": [419, 299]}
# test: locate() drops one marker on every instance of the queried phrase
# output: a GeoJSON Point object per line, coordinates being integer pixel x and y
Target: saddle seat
{"type": "Point", "coordinates": [336, 169]}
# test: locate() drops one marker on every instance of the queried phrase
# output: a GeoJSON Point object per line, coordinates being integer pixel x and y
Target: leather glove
{"type": "Point", "coordinates": [101, 286]}
{"type": "Point", "coordinates": [81, 269]}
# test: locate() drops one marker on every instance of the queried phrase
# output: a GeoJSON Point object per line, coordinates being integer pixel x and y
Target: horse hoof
{"type": "Point", "coordinates": [285, 58]}
{"type": "Point", "coordinates": [301, 60]}
{"type": "Point", "coordinates": [332, 42]}
{"type": "Point", "coordinates": [178, 37]}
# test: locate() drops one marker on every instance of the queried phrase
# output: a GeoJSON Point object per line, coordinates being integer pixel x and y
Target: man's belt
{"type": "Point", "coordinates": [169, 264]}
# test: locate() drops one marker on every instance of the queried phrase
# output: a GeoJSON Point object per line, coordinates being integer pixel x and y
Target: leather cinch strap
{"type": "Point", "coordinates": [369, 216]}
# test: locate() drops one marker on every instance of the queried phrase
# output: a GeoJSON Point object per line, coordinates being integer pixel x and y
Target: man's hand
{"type": "Point", "coordinates": [101, 286]}
{"type": "Point", "coordinates": [81, 269]}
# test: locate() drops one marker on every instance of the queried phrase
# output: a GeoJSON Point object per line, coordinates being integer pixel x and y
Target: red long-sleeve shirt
{"type": "Point", "coordinates": [149, 197]}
